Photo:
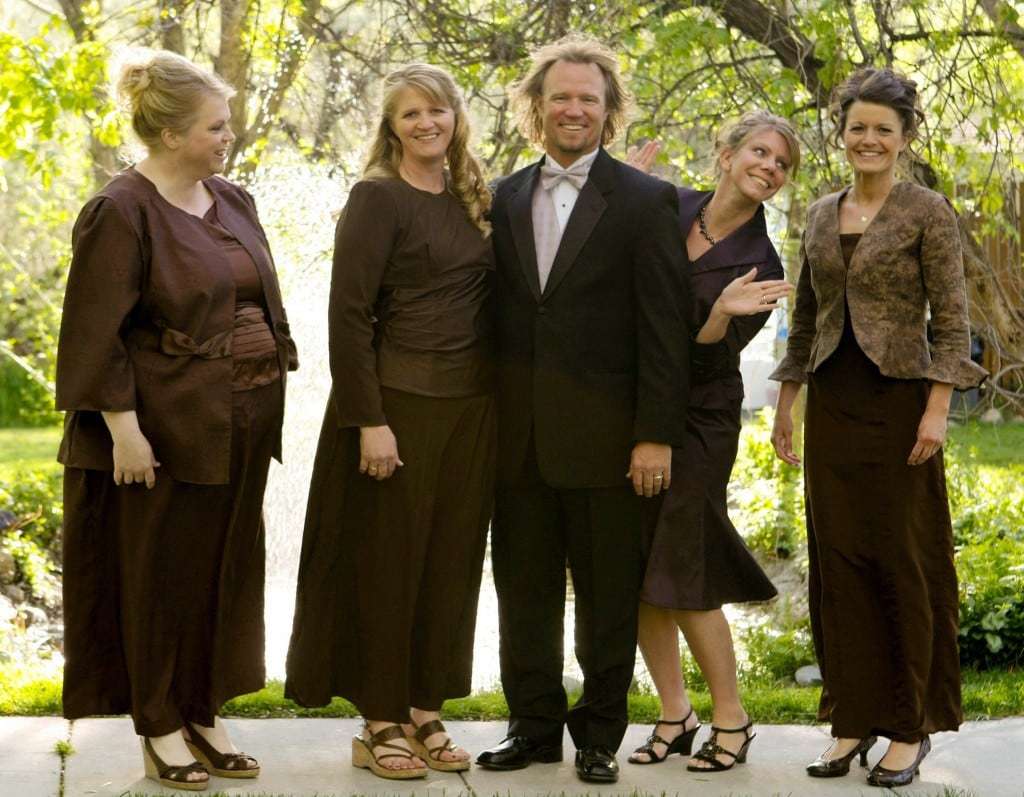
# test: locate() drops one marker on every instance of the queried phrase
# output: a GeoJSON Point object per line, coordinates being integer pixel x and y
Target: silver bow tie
{"type": "Point", "coordinates": [575, 174]}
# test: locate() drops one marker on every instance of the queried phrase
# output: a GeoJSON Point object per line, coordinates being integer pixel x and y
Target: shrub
{"type": "Point", "coordinates": [767, 493]}
{"type": "Point", "coordinates": [991, 575]}
{"type": "Point", "coordinates": [35, 497]}
{"type": "Point", "coordinates": [775, 651]}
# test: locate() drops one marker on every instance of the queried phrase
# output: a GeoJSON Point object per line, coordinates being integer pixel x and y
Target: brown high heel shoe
{"type": "Point", "coordinates": [173, 777]}
{"type": "Point", "coordinates": [224, 765]}
{"type": "Point", "coordinates": [837, 767]}
{"type": "Point", "coordinates": [888, 778]}
{"type": "Point", "coordinates": [431, 756]}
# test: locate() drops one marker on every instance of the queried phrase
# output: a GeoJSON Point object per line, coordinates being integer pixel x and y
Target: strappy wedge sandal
{"type": "Point", "coordinates": [224, 765]}
{"type": "Point", "coordinates": [173, 777]}
{"type": "Point", "coordinates": [711, 749]}
{"type": "Point", "coordinates": [682, 744]}
{"type": "Point", "coordinates": [365, 757]}
{"type": "Point", "coordinates": [432, 755]}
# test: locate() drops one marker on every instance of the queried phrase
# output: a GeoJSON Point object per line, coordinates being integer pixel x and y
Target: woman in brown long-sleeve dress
{"type": "Point", "coordinates": [171, 362]}
{"type": "Point", "coordinates": [401, 492]}
{"type": "Point", "coordinates": [696, 560]}
{"type": "Point", "coordinates": [877, 259]}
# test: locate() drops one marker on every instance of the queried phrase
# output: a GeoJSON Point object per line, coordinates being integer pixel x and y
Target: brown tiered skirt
{"type": "Point", "coordinates": [883, 589]}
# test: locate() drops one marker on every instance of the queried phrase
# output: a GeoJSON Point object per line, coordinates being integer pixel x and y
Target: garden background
{"type": "Point", "coordinates": [306, 74]}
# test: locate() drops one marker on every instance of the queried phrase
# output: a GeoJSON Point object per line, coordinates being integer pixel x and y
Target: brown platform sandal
{"type": "Point", "coordinates": [364, 757]}
{"type": "Point", "coordinates": [432, 755]}
{"type": "Point", "coordinates": [224, 765]}
{"type": "Point", "coordinates": [711, 749]}
{"type": "Point", "coordinates": [172, 777]}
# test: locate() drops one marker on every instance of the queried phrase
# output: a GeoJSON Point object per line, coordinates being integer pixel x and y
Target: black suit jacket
{"type": "Point", "coordinates": [598, 361]}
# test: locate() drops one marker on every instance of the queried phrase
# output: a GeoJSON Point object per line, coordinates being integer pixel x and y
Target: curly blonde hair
{"type": "Point", "coordinates": [162, 90]}
{"type": "Point", "coordinates": [385, 155]}
{"type": "Point", "coordinates": [574, 48]}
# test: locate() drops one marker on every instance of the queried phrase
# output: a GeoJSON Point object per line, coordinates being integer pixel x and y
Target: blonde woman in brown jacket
{"type": "Point", "coordinates": [879, 260]}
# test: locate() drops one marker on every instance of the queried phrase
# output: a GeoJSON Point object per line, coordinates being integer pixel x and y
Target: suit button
{"type": "Point", "coordinates": [542, 310]}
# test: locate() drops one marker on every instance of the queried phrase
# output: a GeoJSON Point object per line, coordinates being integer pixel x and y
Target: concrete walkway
{"type": "Point", "coordinates": [311, 757]}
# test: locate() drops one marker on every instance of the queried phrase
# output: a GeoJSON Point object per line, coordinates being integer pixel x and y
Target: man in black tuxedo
{"type": "Point", "coordinates": [593, 355]}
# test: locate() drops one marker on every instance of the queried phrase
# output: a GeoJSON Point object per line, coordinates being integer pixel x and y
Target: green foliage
{"type": "Point", "coordinates": [767, 493]}
{"type": "Point", "coordinates": [775, 651]}
{"type": "Point", "coordinates": [36, 499]}
{"type": "Point", "coordinates": [40, 85]}
{"type": "Point", "coordinates": [23, 401]}
{"type": "Point", "coordinates": [991, 610]}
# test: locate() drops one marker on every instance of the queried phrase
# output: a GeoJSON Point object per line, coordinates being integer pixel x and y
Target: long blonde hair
{"type": "Point", "coordinates": [385, 156]}
{"type": "Point", "coordinates": [162, 90]}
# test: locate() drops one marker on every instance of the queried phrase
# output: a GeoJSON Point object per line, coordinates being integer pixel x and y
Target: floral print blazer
{"type": "Point", "coordinates": [907, 263]}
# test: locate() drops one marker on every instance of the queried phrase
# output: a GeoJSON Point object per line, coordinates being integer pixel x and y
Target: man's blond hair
{"type": "Point", "coordinates": [573, 48]}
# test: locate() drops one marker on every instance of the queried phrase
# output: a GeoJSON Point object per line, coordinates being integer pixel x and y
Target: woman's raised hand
{"type": "Point", "coordinates": [378, 452]}
{"type": "Point", "coordinates": [642, 158]}
{"type": "Point", "coordinates": [743, 296]}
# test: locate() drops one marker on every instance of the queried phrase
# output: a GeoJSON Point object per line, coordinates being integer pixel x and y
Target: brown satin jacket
{"type": "Point", "coordinates": [147, 325]}
{"type": "Point", "coordinates": [908, 262]}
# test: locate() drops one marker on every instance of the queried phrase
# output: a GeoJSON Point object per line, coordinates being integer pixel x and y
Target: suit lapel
{"type": "Point", "coordinates": [520, 217]}
{"type": "Point", "coordinates": [590, 206]}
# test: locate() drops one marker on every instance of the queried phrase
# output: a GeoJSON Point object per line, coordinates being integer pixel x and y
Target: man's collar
{"type": "Point", "coordinates": [583, 162]}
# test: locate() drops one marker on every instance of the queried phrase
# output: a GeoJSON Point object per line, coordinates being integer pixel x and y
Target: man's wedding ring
{"type": "Point", "coordinates": [659, 476]}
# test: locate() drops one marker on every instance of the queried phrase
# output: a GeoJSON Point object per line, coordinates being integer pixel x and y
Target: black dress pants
{"type": "Point", "coordinates": [536, 530]}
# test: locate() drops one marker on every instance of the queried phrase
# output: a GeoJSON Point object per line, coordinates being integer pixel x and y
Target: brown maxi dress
{"type": "Point", "coordinates": [696, 559]}
{"type": "Point", "coordinates": [163, 588]}
{"type": "Point", "coordinates": [390, 570]}
{"type": "Point", "coordinates": [883, 588]}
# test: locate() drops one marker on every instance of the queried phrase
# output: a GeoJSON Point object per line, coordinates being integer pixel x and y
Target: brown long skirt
{"type": "Point", "coordinates": [389, 575]}
{"type": "Point", "coordinates": [696, 560]}
{"type": "Point", "coordinates": [883, 590]}
{"type": "Point", "coordinates": [163, 588]}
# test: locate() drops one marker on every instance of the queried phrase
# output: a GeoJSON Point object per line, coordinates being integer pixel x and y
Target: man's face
{"type": "Point", "coordinates": [573, 108]}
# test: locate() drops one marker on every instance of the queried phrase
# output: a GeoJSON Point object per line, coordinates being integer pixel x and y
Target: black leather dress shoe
{"type": "Point", "coordinates": [517, 752]}
{"type": "Point", "coordinates": [597, 765]}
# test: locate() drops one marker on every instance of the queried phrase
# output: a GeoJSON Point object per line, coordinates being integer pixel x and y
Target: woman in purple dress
{"type": "Point", "coordinates": [697, 561]}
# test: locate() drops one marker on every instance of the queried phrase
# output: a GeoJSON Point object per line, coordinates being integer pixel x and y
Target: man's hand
{"type": "Point", "coordinates": [650, 468]}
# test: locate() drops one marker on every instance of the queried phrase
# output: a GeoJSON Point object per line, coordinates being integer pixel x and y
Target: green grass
{"type": "Point", "coordinates": [992, 445]}
{"type": "Point", "coordinates": [28, 449]}
{"type": "Point", "coordinates": [986, 695]}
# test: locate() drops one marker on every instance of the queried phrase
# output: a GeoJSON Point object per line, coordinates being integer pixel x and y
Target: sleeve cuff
{"type": "Point", "coordinates": [963, 374]}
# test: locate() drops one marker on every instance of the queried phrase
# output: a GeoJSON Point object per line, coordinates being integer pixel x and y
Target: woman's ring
{"type": "Point", "coordinates": [659, 476]}
{"type": "Point", "coordinates": [764, 299]}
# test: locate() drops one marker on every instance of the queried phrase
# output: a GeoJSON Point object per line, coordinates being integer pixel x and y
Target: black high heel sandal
{"type": "Point", "coordinates": [682, 744]}
{"type": "Point", "coordinates": [888, 778]}
{"type": "Point", "coordinates": [837, 767]}
{"type": "Point", "coordinates": [711, 749]}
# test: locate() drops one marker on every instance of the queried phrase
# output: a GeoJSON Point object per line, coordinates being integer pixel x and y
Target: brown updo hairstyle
{"type": "Point", "coordinates": [732, 136]}
{"type": "Point", "coordinates": [881, 87]}
{"type": "Point", "coordinates": [162, 90]}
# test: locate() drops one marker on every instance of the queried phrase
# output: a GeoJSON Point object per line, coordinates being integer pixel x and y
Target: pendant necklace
{"type": "Point", "coordinates": [702, 225]}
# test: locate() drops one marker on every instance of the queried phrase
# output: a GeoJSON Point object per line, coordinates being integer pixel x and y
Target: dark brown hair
{"type": "Point", "coordinates": [881, 87]}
